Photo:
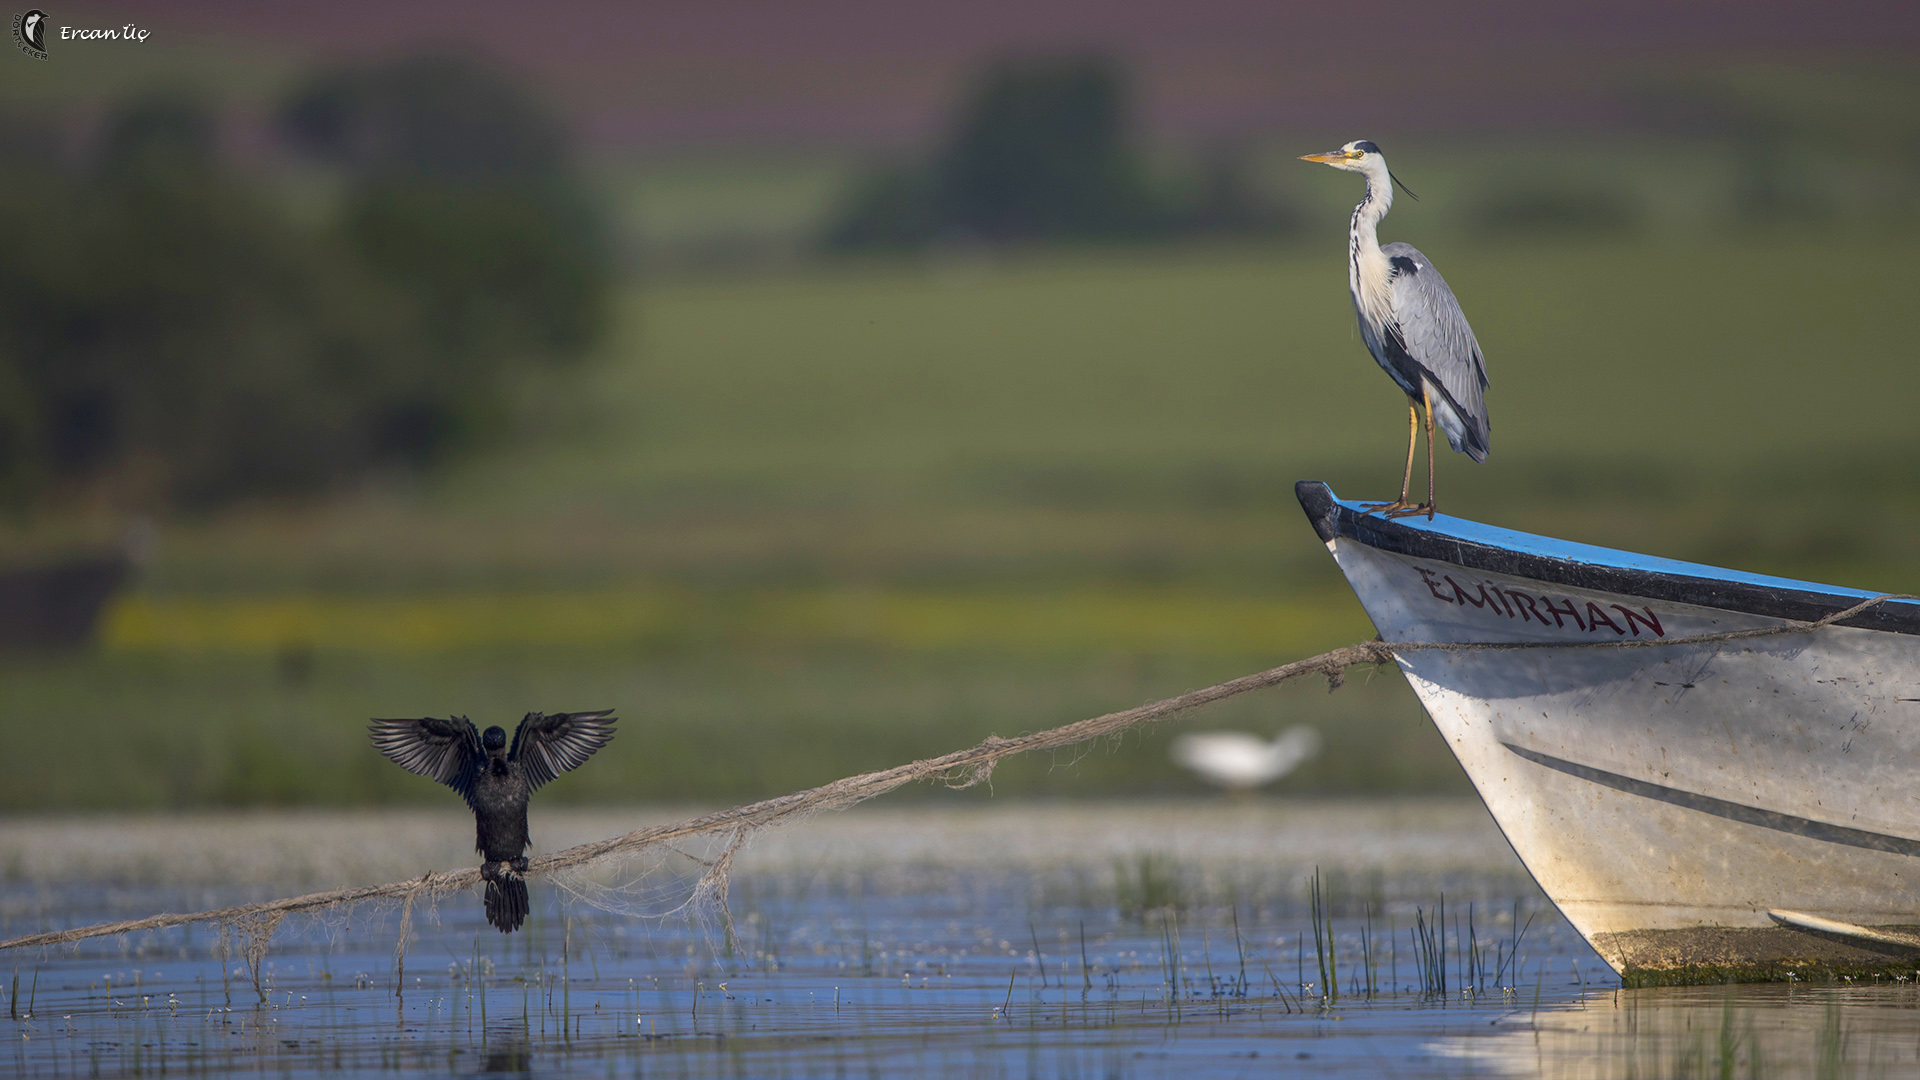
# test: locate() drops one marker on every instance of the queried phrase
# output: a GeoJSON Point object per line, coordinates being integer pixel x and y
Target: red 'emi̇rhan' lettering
{"type": "Point", "coordinates": [1460, 595]}
{"type": "Point", "coordinates": [1556, 612]}
{"type": "Point", "coordinates": [1652, 620]}
{"type": "Point", "coordinates": [1513, 603]}
{"type": "Point", "coordinates": [1595, 617]}
{"type": "Point", "coordinates": [1520, 598]}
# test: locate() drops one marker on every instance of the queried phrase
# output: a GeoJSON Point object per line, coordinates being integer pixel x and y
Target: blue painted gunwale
{"type": "Point", "coordinates": [1476, 546]}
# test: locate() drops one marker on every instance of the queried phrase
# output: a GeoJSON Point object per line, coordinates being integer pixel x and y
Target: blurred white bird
{"type": "Point", "coordinates": [1238, 761]}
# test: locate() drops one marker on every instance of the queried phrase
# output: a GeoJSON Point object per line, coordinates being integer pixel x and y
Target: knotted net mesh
{"type": "Point", "coordinates": [683, 867]}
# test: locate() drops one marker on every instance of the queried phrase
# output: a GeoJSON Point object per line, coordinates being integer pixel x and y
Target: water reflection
{"type": "Point", "coordinates": [1841, 1030]}
{"type": "Point", "coordinates": [1011, 973]}
{"type": "Point", "coordinates": [901, 953]}
{"type": "Point", "coordinates": [512, 1057]}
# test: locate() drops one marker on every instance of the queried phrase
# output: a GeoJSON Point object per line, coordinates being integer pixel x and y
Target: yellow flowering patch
{"type": "Point", "coordinates": [1162, 621]}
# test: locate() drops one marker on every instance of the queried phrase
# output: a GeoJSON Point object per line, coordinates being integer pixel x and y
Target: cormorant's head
{"type": "Point", "coordinates": [494, 738]}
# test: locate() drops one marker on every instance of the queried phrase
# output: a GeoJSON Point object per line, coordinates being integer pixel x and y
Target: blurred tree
{"type": "Point", "coordinates": [464, 199]}
{"type": "Point", "coordinates": [168, 331]}
{"type": "Point", "coordinates": [438, 115]}
{"type": "Point", "coordinates": [1039, 151]}
{"type": "Point", "coordinates": [168, 327]}
{"type": "Point", "coordinates": [1043, 149]}
{"type": "Point", "coordinates": [38, 270]}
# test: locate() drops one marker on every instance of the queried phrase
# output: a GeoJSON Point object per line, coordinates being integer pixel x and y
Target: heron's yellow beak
{"type": "Point", "coordinates": [1327, 158]}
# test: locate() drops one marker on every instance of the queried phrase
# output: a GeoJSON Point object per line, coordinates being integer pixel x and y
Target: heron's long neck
{"type": "Point", "coordinates": [1368, 271]}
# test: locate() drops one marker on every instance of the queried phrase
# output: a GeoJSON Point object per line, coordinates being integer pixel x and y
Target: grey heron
{"type": "Point", "coordinates": [1412, 325]}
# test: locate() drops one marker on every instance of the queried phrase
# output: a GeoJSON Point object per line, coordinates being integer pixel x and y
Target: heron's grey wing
{"type": "Point", "coordinates": [546, 746]}
{"type": "Point", "coordinates": [1435, 333]}
{"type": "Point", "coordinates": [446, 750]}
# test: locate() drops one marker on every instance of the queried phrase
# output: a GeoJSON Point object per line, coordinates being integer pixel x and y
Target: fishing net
{"type": "Point", "coordinates": [683, 867]}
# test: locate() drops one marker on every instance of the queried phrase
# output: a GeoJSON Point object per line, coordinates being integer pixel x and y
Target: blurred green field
{"type": "Point", "coordinates": [1143, 415]}
{"type": "Point", "coordinates": [804, 523]}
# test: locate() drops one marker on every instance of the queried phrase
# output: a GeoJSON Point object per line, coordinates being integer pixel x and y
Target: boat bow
{"type": "Point", "coordinates": [1666, 791]}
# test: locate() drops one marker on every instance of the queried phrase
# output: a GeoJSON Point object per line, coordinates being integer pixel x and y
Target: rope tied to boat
{"type": "Point", "coordinates": [958, 769]}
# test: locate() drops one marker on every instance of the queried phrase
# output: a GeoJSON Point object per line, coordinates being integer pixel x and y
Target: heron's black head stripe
{"type": "Point", "coordinates": [1366, 146]}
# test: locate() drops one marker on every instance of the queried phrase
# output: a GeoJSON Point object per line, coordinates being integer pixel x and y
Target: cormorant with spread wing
{"type": "Point", "coordinates": [496, 780]}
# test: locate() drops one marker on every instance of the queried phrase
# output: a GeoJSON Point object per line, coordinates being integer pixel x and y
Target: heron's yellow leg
{"type": "Point", "coordinates": [1413, 436]}
{"type": "Point", "coordinates": [1406, 478]}
{"type": "Point", "coordinates": [1430, 499]}
{"type": "Point", "coordinates": [1404, 509]}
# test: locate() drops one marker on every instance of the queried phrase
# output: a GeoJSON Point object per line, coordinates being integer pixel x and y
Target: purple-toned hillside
{"type": "Point", "coordinates": [882, 71]}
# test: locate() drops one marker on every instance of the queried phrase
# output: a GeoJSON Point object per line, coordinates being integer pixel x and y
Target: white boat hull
{"type": "Point", "coordinates": [1667, 798]}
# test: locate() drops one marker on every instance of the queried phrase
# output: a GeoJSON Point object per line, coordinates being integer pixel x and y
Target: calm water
{"type": "Point", "coordinates": [1026, 941]}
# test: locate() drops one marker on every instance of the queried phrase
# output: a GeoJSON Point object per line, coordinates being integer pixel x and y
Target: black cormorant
{"type": "Point", "coordinates": [496, 780]}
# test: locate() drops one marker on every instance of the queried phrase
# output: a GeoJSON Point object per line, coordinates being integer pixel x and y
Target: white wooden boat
{"type": "Point", "coordinates": [1738, 809]}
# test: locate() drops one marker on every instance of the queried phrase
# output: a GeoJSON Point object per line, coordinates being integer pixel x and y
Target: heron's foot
{"type": "Point", "coordinates": [1395, 508]}
{"type": "Point", "coordinates": [1408, 510]}
{"type": "Point", "coordinates": [520, 865]}
{"type": "Point", "coordinates": [503, 870]}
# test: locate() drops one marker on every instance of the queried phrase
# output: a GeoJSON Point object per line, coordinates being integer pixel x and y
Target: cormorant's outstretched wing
{"type": "Point", "coordinates": [546, 746]}
{"type": "Point", "coordinates": [447, 750]}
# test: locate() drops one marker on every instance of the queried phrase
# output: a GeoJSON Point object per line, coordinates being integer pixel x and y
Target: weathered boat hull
{"type": "Point", "coordinates": [1733, 809]}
